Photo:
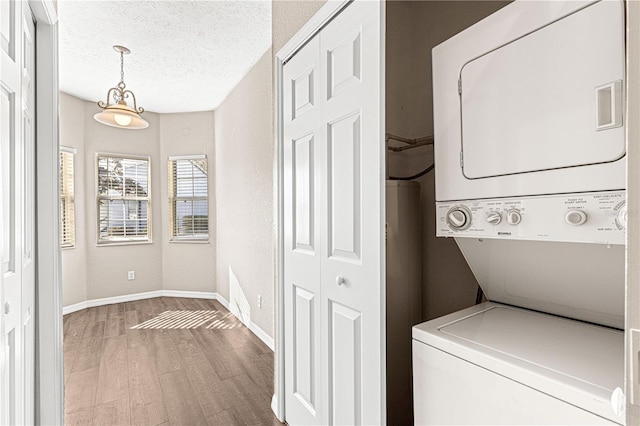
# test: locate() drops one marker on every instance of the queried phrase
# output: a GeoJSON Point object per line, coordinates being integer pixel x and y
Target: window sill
{"type": "Point", "coordinates": [188, 241]}
{"type": "Point", "coordinates": [123, 243]}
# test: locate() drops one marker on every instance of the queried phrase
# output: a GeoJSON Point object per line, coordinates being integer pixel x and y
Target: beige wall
{"type": "Point", "coordinates": [244, 193]}
{"type": "Point", "coordinates": [288, 17]}
{"type": "Point", "coordinates": [187, 266]}
{"type": "Point", "coordinates": [92, 272]}
{"type": "Point", "coordinates": [74, 260]}
{"type": "Point", "coordinates": [107, 266]}
{"type": "Point", "coordinates": [413, 29]}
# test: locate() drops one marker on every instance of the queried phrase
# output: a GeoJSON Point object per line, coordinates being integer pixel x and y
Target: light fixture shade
{"type": "Point", "coordinates": [119, 114]}
{"type": "Point", "coordinates": [122, 116]}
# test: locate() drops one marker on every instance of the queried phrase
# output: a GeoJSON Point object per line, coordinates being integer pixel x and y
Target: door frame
{"type": "Point", "coordinates": [49, 386]}
{"type": "Point", "coordinates": [312, 27]}
{"type": "Point", "coordinates": [632, 299]}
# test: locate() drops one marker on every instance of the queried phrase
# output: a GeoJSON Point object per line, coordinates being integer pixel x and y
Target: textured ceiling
{"type": "Point", "coordinates": [185, 55]}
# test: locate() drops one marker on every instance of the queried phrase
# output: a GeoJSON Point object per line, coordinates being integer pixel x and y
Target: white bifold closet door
{"type": "Point", "coordinates": [17, 217]}
{"type": "Point", "coordinates": [334, 223]}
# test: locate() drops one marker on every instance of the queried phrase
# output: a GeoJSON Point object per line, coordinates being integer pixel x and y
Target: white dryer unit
{"type": "Point", "coordinates": [530, 181]}
{"type": "Point", "coordinates": [529, 101]}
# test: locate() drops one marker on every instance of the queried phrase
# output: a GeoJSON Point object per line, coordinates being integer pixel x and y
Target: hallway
{"type": "Point", "coordinates": [196, 364]}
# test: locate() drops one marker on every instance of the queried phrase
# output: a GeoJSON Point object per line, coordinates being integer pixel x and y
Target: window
{"type": "Point", "coordinates": [124, 204]}
{"type": "Point", "coordinates": [67, 202]}
{"type": "Point", "coordinates": [188, 198]}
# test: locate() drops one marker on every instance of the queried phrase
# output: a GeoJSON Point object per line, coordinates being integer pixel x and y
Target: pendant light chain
{"type": "Point", "coordinates": [121, 84]}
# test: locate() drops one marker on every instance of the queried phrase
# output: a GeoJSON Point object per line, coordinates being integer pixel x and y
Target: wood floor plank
{"type": "Point", "coordinates": [74, 330]}
{"type": "Point", "coordinates": [252, 406]}
{"type": "Point", "coordinates": [269, 361]}
{"type": "Point", "coordinates": [69, 358]}
{"type": "Point", "coordinates": [255, 368]}
{"type": "Point", "coordinates": [90, 348]}
{"type": "Point", "coordinates": [113, 383]}
{"type": "Point", "coordinates": [115, 309]}
{"type": "Point", "coordinates": [164, 352]}
{"type": "Point", "coordinates": [114, 325]}
{"type": "Point", "coordinates": [194, 359]}
{"type": "Point", "coordinates": [224, 418]}
{"type": "Point", "coordinates": [223, 361]}
{"type": "Point", "coordinates": [118, 375]}
{"type": "Point", "coordinates": [206, 384]}
{"type": "Point", "coordinates": [146, 400]}
{"type": "Point", "coordinates": [182, 408]}
{"type": "Point", "coordinates": [80, 390]}
{"type": "Point", "coordinates": [135, 337]}
{"type": "Point", "coordinates": [79, 418]}
{"type": "Point", "coordinates": [98, 313]}
{"type": "Point", "coordinates": [114, 413]}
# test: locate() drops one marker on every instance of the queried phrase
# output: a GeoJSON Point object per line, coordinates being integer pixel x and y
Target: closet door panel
{"type": "Point", "coordinates": [352, 235]}
{"type": "Point", "coordinates": [301, 235]}
{"type": "Point", "coordinates": [344, 197]}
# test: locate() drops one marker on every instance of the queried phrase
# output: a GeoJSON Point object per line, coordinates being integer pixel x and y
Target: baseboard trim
{"type": "Point", "coordinates": [260, 333]}
{"type": "Point", "coordinates": [274, 408]}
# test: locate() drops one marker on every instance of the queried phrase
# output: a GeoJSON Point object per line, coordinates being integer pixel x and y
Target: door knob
{"type": "Point", "coordinates": [7, 308]}
{"type": "Point", "coordinates": [339, 280]}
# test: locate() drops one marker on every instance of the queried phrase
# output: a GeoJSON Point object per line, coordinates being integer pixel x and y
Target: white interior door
{"type": "Point", "coordinates": [17, 333]}
{"type": "Point", "coordinates": [333, 223]}
{"type": "Point", "coordinates": [302, 136]}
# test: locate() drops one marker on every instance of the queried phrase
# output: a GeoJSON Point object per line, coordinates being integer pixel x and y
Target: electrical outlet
{"type": "Point", "coordinates": [259, 301]}
{"type": "Point", "coordinates": [131, 275]}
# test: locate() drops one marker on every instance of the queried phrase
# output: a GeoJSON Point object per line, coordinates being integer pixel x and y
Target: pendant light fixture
{"type": "Point", "coordinates": [118, 113]}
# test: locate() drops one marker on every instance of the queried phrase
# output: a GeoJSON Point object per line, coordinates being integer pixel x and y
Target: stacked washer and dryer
{"type": "Point", "coordinates": [530, 181]}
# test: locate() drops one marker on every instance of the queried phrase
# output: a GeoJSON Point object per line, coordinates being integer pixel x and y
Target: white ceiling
{"type": "Point", "coordinates": [185, 55]}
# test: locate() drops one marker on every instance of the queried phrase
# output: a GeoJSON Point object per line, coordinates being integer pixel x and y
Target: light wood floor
{"type": "Point", "coordinates": [218, 373]}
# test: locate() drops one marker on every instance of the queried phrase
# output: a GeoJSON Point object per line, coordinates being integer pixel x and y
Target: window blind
{"type": "Point", "coordinates": [123, 199]}
{"type": "Point", "coordinates": [188, 198]}
{"type": "Point", "coordinates": [67, 202]}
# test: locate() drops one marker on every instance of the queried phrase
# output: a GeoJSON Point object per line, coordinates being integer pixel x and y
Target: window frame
{"type": "Point", "coordinates": [123, 241]}
{"type": "Point", "coordinates": [173, 198]}
{"type": "Point", "coordinates": [69, 197]}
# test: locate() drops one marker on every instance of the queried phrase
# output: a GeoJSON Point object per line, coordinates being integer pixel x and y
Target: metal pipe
{"type": "Point", "coordinates": [411, 143]}
{"type": "Point", "coordinates": [415, 145]}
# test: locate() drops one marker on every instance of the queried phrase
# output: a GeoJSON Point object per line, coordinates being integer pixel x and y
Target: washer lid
{"type": "Point", "coordinates": [550, 99]}
{"type": "Point", "coordinates": [577, 362]}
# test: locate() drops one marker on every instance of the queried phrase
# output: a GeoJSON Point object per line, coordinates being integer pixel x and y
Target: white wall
{"type": "Point", "coordinates": [93, 272]}
{"type": "Point", "coordinates": [413, 29]}
{"type": "Point", "coordinates": [244, 193]}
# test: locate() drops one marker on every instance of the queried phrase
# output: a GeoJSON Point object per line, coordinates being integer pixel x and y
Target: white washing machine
{"type": "Point", "coordinates": [530, 181]}
{"type": "Point", "coordinates": [501, 365]}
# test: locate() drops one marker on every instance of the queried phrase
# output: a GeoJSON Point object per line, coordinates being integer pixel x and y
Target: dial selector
{"type": "Point", "coordinates": [622, 216]}
{"type": "Point", "coordinates": [514, 217]}
{"type": "Point", "coordinates": [575, 217]}
{"type": "Point", "coordinates": [459, 218]}
{"type": "Point", "coordinates": [494, 218]}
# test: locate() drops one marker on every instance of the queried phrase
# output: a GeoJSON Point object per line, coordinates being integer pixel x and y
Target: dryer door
{"type": "Point", "coordinates": [550, 99]}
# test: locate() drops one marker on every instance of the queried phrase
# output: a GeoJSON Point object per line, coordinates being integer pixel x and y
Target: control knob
{"type": "Point", "coordinates": [514, 217]}
{"type": "Point", "coordinates": [494, 218]}
{"type": "Point", "coordinates": [459, 218]}
{"type": "Point", "coordinates": [575, 217]}
{"type": "Point", "coordinates": [622, 216]}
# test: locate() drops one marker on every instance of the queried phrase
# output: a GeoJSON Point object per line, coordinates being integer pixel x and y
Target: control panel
{"type": "Point", "coordinates": [594, 217]}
